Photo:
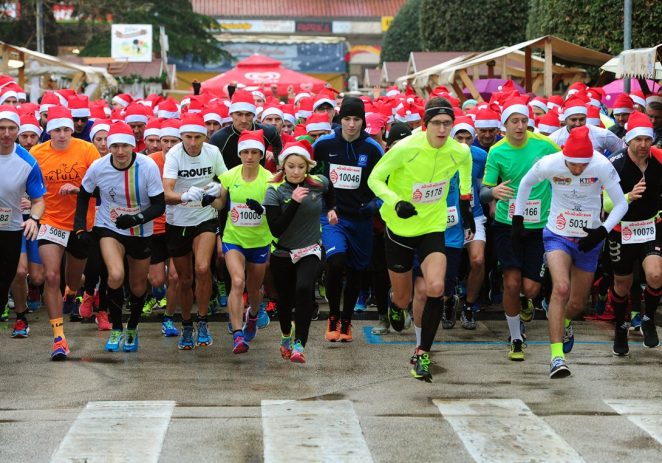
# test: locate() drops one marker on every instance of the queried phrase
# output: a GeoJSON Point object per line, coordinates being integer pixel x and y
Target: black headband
{"type": "Point", "coordinates": [432, 112]}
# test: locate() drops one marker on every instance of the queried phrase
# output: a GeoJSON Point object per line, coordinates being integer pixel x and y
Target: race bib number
{"type": "Point", "coordinates": [116, 211]}
{"type": "Point", "coordinates": [5, 216]}
{"type": "Point", "coordinates": [641, 231]}
{"type": "Point", "coordinates": [54, 235]}
{"type": "Point", "coordinates": [313, 250]}
{"type": "Point", "coordinates": [572, 223]}
{"type": "Point", "coordinates": [425, 193]}
{"type": "Point", "coordinates": [531, 212]}
{"type": "Point", "coordinates": [193, 204]}
{"type": "Point", "coordinates": [242, 216]}
{"type": "Point", "coordinates": [345, 177]}
{"type": "Point", "coordinates": [452, 218]}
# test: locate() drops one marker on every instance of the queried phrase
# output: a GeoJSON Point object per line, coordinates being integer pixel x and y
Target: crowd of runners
{"type": "Point", "coordinates": [428, 208]}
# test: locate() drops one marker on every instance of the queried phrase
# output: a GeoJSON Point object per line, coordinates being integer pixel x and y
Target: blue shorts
{"type": "Point", "coordinates": [353, 237]}
{"type": "Point", "coordinates": [31, 248]}
{"type": "Point", "coordinates": [252, 255]}
{"type": "Point", "coordinates": [585, 261]}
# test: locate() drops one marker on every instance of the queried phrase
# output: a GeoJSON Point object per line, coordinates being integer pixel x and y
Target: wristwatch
{"type": "Point", "coordinates": [35, 218]}
{"type": "Point", "coordinates": [141, 217]}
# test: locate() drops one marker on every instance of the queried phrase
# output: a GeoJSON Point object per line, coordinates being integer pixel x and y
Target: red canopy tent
{"type": "Point", "coordinates": [260, 71]}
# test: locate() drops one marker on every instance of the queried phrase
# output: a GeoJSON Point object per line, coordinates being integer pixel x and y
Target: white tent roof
{"type": "Point", "coordinates": [638, 62]}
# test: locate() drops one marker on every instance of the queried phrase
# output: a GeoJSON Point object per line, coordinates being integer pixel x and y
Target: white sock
{"type": "Point", "coordinates": [418, 335]}
{"type": "Point", "coordinates": [513, 327]}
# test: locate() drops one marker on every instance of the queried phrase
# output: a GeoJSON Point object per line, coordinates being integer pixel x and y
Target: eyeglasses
{"type": "Point", "coordinates": [437, 124]}
{"type": "Point", "coordinates": [81, 119]}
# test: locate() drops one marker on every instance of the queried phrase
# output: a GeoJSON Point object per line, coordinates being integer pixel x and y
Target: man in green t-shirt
{"type": "Point", "coordinates": [522, 260]}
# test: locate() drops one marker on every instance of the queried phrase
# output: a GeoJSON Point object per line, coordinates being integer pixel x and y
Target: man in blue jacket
{"type": "Point", "coordinates": [346, 157]}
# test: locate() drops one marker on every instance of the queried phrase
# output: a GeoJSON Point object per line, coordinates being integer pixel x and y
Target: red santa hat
{"type": "Point", "coordinates": [555, 101]}
{"type": "Point", "coordinates": [212, 113]}
{"type": "Point", "coordinates": [79, 105]}
{"type": "Point", "coordinates": [29, 123]}
{"type": "Point", "coordinates": [549, 123]}
{"type": "Point", "coordinates": [288, 113]}
{"type": "Point", "coordinates": [300, 148]}
{"type": "Point", "coordinates": [251, 139]}
{"type": "Point", "coordinates": [576, 87]}
{"type": "Point", "coordinates": [170, 128]}
{"type": "Point", "coordinates": [375, 122]}
{"type": "Point", "coordinates": [593, 116]}
{"type": "Point", "coordinates": [98, 110]}
{"type": "Point", "coordinates": [639, 125]}
{"type": "Point", "coordinates": [272, 110]}
{"type": "Point", "coordinates": [8, 92]}
{"type": "Point", "coordinates": [153, 127]}
{"type": "Point", "coordinates": [408, 112]}
{"type": "Point", "coordinates": [195, 106]}
{"type": "Point", "coordinates": [59, 116]}
{"type": "Point", "coordinates": [28, 108]}
{"type": "Point", "coordinates": [120, 132]}
{"type": "Point", "coordinates": [638, 98]}
{"type": "Point", "coordinates": [305, 108]}
{"type": "Point", "coordinates": [653, 99]}
{"type": "Point", "coordinates": [318, 122]}
{"type": "Point", "coordinates": [193, 122]}
{"type": "Point", "coordinates": [123, 99]}
{"type": "Point", "coordinates": [135, 113]}
{"type": "Point", "coordinates": [99, 125]}
{"type": "Point", "coordinates": [595, 94]}
{"type": "Point", "coordinates": [392, 91]}
{"type": "Point", "coordinates": [578, 148]}
{"type": "Point", "coordinates": [574, 105]}
{"type": "Point", "coordinates": [463, 123]}
{"type": "Point", "coordinates": [116, 115]}
{"type": "Point", "coordinates": [623, 104]}
{"type": "Point", "coordinates": [539, 102]}
{"type": "Point", "coordinates": [300, 95]}
{"type": "Point", "coordinates": [242, 101]}
{"type": "Point", "coordinates": [324, 97]}
{"type": "Point", "coordinates": [487, 118]}
{"type": "Point", "coordinates": [515, 105]}
{"type": "Point", "coordinates": [9, 112]}
{"type": "Point", "coordinates": [49, 100]}
{"type": "Point", "coordinates": [168, 109]}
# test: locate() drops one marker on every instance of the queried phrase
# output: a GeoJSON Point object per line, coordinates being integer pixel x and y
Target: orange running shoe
{"type": "Point", "coordinates": [345, 331]}
{"type": "Point", "coordinates": [103, 324]}
{"type": "Point", "coordinates": [332, 334]}
{"type": "Point", "coordinates": [87, 306]}
{"type": "Point", "coordinates": [60, 349]}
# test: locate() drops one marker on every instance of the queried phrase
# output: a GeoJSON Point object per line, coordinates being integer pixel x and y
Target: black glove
{"type": "Point", "coordinates": [371, 208]}
{"type": "Point", "coordinates": [125, 221]}
{"type": "Point", "coordinates": [207, 200]}
{"type": "Point", "coordinates": [517, 232]}
{"type": "Point", "coordinates": [196, 87]}
{"type": "Point", "coordinates": [255, 206]}
{"type": "Point", "coordinates": [85, 238]}
{"type": "Point", "coordinates": [467, 214]}
{"type": "Point", "coordinates": [592, 239]}
{"type": "Point", "coordinates": [405, 209]}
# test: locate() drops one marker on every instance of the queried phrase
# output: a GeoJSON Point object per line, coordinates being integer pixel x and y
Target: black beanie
{"type": "Point", "coordinates": [398, 131]}
{"type": "Point", "coordinates": [352, 106]}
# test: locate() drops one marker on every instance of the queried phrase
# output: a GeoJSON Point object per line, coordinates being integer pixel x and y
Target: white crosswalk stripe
{"type": "Point", "coordinates": [646, 414]}
{"type": "Point", "coordinates": [314, 430]}
{"type": "Point", "coordinates": [504, 430]}
{"type": "Point", "coordinates": [131, 431]}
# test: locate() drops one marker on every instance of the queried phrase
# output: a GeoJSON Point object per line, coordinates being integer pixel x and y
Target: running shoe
{"type": "Point", "coordinates": [103, 324]}
{"type": "Point", "coordinates": [449, 312]}
{"type": "Point", "coordinates": [558, 368]}
{"type": "Point", "coordinates": [212, 306]}
{"type": "Point", "coordinates": [421, 369]}
{"type": "Point", "coordinates": [34, 299]}
{"type": "Point", "coordinates": [382, 326]}
{"type": "Point", "coordinates": [21, 329]}
{"type": "Point", "coordinates": [74, 315]}
{"type": "Point", "coordinates": [496, 296]}
{"type": "Point", "coordinates": [204, 336]}
{"type": "Point", "coordinates": [222, 294]}
{"type": "Point", "coordinates": [60, 349]}
{"type": "Point", "coordinates": [285, 347]}
{"type": "Point", "coordinates": [270, 308]}
{"type": "Point", "coordinates": [149, 306]}
{"type": "Point", "coordinates": [345, 331]}
{"type": "Point", "coordinates": [516, 353]}
{"type": "Point", "coordinates": [649, 332]}
{"type": "Point", "coordinates": [568, 339]}
{"type": "Point", "coordinates": [409, 319]}
{"type": "Point", "coordinates": [4, 316]}
{"type": "Point", "coordinates": [621, 348]}
{"type": "Point", "coordinates": [168, 328]}
{"type": "Point", "coordinates": [635, 322]}
{"type": "Point", "coordinates": [263, 319]}
{"type": "Point", "coordinates": [69, 304]}
{"type": "Point", "coordinates": [412, 359]}
{"type": "Point", "coordinates": [10, 301]}
{"type": "Point", "coordinates": [361, 305]}
{"type": "Point", "coordinates": [230, 330]}
{"type": "Point", "coordinates": [321, 288]}
{"type": "Point", "coordinates": [240, 346]}
{"type": "Point", "coordinates": [297, 353]}
{"type": "Point", "coordinates": [316, 311]}
{"type": "Point", "coordinates": [87, 306]}
{"type": "Point", "coordinates": [186, 339]}
{"type": "Point", "coordinates": [526, 312]}
{"type": "Point", "coordinates": [397, 317]}
{"type": "Point", "coordinates": [250, 327]}
{"type": "Point", "coordinates": [332, 334]}
{"type": "Point", "coordinates": [468, 319]}
{"type": "Point", "coordinates": [114, 341]}
{"type": "Point", "coordinates": [130, 341]}
{"type": "Point", "coordinates": [162, 303]}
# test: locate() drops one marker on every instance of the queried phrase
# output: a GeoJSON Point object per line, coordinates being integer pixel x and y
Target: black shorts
{"type": "Point", "coordinates": [159, 249]}
{"type": "Point", "coordinates": [74, 247]}
{"type": "Point", "coordinates": [136, 247]}
{"type": "Point", "coordinates": [529, 258]}
{"type": "Point", "coordinates": [180, 239]}
{"type": "Point", "coordinates": [624, 257]}
{"type": "Point", "coordinates": [400, 249]}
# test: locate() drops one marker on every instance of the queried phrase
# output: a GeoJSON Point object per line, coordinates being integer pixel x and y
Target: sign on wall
{"type": "Point", "coordinates": [132, 42]}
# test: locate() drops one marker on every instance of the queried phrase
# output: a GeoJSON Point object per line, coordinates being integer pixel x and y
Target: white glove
{"type": "Point", "coordinates": [193, 194]}
{"type": "Point", "coordinates": [213, 189]}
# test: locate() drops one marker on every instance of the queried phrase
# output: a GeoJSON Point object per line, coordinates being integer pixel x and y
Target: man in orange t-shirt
{"type": "Point", "coordinates": [63, 161]}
